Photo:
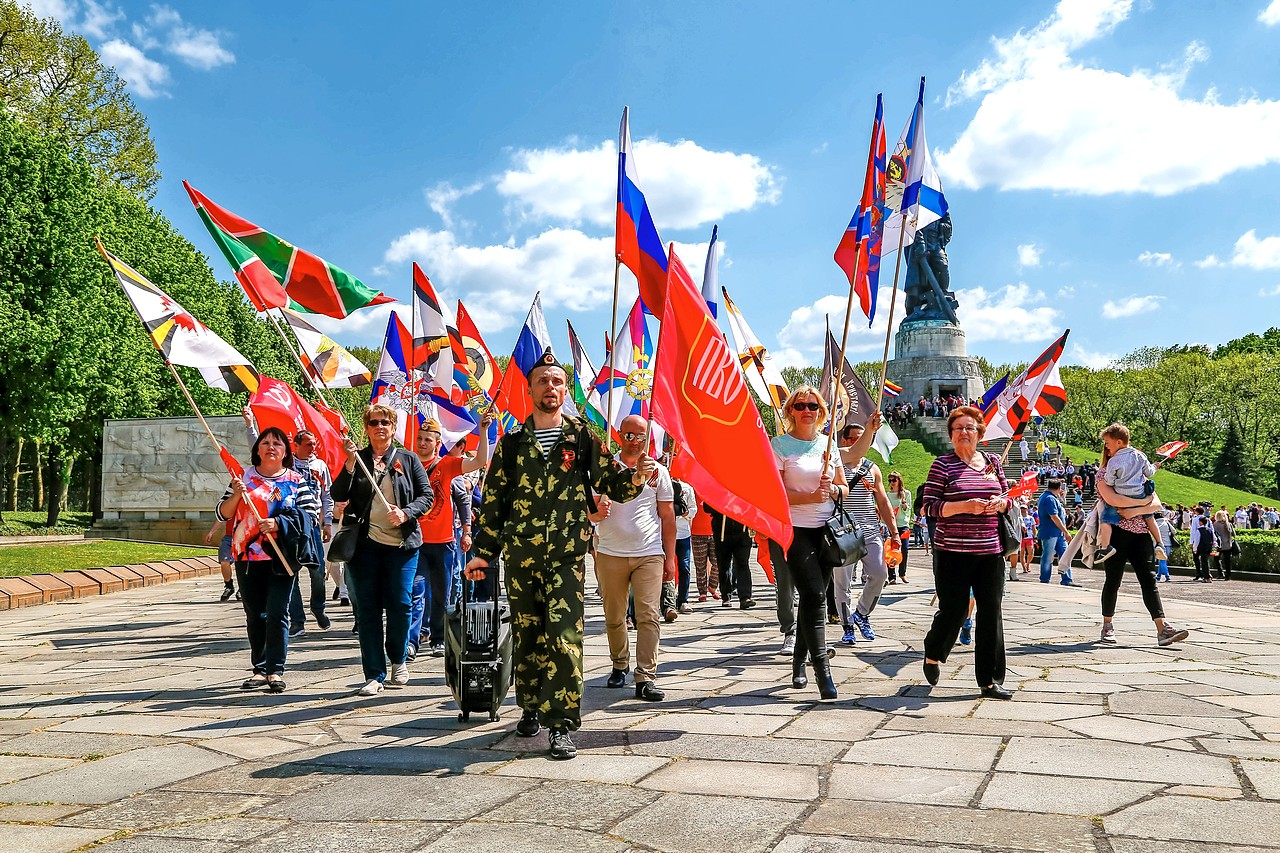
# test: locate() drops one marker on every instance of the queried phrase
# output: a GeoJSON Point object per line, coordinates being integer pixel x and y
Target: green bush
{"type": "Point", "coordinates": [1259, 551]}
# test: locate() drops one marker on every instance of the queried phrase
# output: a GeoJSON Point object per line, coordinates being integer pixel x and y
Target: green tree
{"type": "Point", "coordinates": [57, 83]}
{"type": "Point", "coordinates": [1234, 466]}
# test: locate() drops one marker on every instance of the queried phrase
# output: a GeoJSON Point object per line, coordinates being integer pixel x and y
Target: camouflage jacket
{"type": "Point", "coordinates": [538, 507]}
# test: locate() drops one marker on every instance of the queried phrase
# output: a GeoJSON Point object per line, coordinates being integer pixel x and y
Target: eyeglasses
{"type": "Point", "coordinates": [379, 422]}
{"type": "Point", "coordinates": [964, 429]}
{"type": "Point", "coordinates": [806, 407]}
{"type": "Point", "coordinates": [633, 436]}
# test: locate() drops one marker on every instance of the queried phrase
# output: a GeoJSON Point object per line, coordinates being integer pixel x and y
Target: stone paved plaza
{"type": "Point", "coordinates": [121, 722]}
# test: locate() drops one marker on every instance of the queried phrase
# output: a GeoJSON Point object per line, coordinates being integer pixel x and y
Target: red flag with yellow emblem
{"type": "Point", "coordinates": [701, 398]}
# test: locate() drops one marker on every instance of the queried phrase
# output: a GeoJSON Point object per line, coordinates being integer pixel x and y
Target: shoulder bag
{"type": "Point", "coordinates": [1010, 522]}
{"type": "Point", "coordinates": [842, 542]}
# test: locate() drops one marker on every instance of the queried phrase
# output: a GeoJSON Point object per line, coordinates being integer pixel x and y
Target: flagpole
{"type": "Point", "coordinates": [312, 380]}
{"type": "Point", "coordinates": [844, 340]}
{"type": "Point", "coordinates": [893, 303]}
{"type": "Point", "coordinates": [613, 341]}
{"type": "Point", "coordinates": [271, 539]}
{"type": "Point", "coordinates": [657, 339]}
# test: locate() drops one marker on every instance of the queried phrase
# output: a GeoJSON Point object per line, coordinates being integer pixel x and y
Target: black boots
{"type": "Point", "coordinates": [798, 679]}
{"type": "Point", "coordinates": [822, 675]}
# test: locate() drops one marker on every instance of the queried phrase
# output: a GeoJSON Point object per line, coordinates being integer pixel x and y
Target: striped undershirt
{"type": "Point", "coordinates": [547, 439]}
{"type": "Point", "coordinates": [861, 504]}
{"type": "Point", "coordinates": [950, 479]}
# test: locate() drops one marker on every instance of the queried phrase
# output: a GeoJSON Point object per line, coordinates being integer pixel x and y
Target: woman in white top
{"type": "Point", "coordinates": [812, 482]}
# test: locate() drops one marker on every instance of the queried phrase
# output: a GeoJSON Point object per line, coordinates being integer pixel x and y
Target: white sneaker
{"type": "Point", "coordinates": [788, 644]}
{"type": "Point", "coordinates": [399, 675]}
{"type": "Point", "coordinates": [1160, 553]}
{"type": "Point", "coordinates": [373, 688]}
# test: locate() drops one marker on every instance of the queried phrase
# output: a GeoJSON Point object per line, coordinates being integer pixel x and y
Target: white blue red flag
{"type": "Point", "coordinates": [409, 392]}
{"type": "Point", "coordinates": [711, 274]}
{"type": "Point", "coordinates": [859, 251]}
{"type": "Point", "coordinates": [637, 243]}
{"type": "Point", "coordinates": [913, 190]}
{"type": "Point", "coordinates": [514, 403]}
{"type": "Point", "coordinates": [625, 384]}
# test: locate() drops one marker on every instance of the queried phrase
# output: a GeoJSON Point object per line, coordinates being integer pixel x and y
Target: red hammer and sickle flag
{"type": "Point", "coordinates": [700, 396]}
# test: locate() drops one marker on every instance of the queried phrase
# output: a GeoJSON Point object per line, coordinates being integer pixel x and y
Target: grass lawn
{"type": "Point", "coordinates": [34, 559]}
{"type": "Point", "coordinates": [32, 523]}
{"type": "Point", "coordinates": [913, 461]}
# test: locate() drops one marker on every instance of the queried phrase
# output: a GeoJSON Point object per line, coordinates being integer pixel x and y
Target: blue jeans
{"type": "Point", "coordinates": [454, 561]}
{"type": "Point", "coordinates": [430, 593]}
{"type": "Point", "coordinates": [1162, 569]}
{"type": "Point", "coordinates": [382, 576]}
{"type": "Point", "coordinates": [1049, 550]}
{"type": "Point", "coordinates": [265, 596]}
{"type": "Point", "coordinates": [684, 562]}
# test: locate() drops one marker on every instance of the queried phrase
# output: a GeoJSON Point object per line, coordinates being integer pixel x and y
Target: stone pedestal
{"type": "Point", "coordinates": [162, 476]}
{"type": "Point", "coordinates": [930, 360]}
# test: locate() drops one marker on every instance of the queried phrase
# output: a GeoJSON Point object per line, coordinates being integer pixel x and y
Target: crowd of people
{"type": "Point", "coordinates": [406, 530]}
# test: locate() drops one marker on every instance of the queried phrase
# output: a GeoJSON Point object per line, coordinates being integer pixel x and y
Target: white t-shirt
{"type": "Point", "coordinates": [801, 465]}
{"type": "Point", "coordinates": [683, 530]}
{"type": "Point", "coordinates": [633, 529]}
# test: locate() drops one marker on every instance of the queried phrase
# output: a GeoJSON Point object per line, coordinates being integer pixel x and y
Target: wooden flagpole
{"type": "Point", "coordinates": [613, 345]}
{"type": "Point", "coordinates": [839, 371]}
{"type": "Point", "coordinates": [271, 539]}
{"type": "Point", "coordinates": [386, 505]}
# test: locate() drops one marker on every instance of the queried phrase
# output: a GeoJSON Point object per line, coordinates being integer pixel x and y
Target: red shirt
{"type": "Point", "coordinates": [437, 524]}
{"type": "Point", "coordinates": [701, 524]}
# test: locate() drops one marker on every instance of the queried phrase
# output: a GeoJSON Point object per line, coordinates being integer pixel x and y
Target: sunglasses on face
{"type": "Point", "coordinates": [806, 407]}
{"type": "Point", "coordinates": [378, 423]}
{"type": "Point", "coordinates": [633, 436]}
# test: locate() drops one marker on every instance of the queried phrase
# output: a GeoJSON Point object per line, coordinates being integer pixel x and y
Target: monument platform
{"type": "Point", "coordinates": [930, 360]}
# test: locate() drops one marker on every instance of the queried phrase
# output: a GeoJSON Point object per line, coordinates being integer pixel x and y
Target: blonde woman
{"type": "Point", "coordinates": [900, 502]}
{"type": "Point", "coordinates": [813, 484]}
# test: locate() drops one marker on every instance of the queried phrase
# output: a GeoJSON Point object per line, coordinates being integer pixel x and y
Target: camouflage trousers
{"type": "Point", "coordinates": [546, 621]}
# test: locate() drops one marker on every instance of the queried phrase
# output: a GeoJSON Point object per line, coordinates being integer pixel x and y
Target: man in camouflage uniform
{"type": "Point", "coordinates": [534, 512]}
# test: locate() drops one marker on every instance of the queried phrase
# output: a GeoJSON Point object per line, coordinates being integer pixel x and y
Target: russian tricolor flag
{"type": "Point", "coordinates": [409, 392]}
{"type": "Point", "coordinates": [859, 251]}
{"type": "Point", "coordinates": [638, 246]}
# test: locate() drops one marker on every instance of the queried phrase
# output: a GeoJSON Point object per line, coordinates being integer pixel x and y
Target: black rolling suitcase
{"type": "Point", "coordinates": [477, 654]}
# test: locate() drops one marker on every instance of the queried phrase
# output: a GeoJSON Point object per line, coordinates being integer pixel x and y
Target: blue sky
{"type": "Point", "coordinates": [1112, 166]}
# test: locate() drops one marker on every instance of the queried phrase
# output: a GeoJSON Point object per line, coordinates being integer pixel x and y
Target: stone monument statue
{"type": "Point", "coordinates": [928, 282]}
{"type": "Point", "coordinates": [929, 352]}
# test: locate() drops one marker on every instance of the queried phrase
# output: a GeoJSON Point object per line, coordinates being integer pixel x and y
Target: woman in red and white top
{"type": "Point", "coordinates": [965, 492]}
{"type": "Point", "coordinates": [282, 496]}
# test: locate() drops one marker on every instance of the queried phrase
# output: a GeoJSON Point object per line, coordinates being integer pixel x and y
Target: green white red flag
{"type": "Point", "coordinates": [277, 274]}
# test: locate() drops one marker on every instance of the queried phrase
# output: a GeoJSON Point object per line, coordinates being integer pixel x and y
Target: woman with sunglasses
{"type": "Point", "coordinates": [900, 501]}
{"type": "Point", "coordinates": [813, 483]}
{"type": "Point", "coordinates": [386, 556]}
{"type": "Point", "coordinates": [964, 493]}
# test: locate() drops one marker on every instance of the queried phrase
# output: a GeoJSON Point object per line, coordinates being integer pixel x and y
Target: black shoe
{"type": "Point", "coordinates": [798, 679]}
{"type": "Point", "coordinates": [726, 602]}
{"type": "Point", "coordinates": [931, 673]}
{"type": "Point", "coordinates": [562, 748]}
{"type": "Point", "coordinates": [344, 602]}
{"type": "Point", "coordinates": [335, 594]}
{"type": "Point", "coordinates": [748, 604]}
{"type": "Point", "coordinates": [228, 590]}
{"type": "Point", "coordinates": [996, 691]}
{"type": "Point", "coordinates": [323, 621]}
{"type": "Point", "coordinates": [617, 678]}
{"type": "Point", "coordinates": [649, 692]}
{"type": "Point", "coordinates": [528, 725]}
{"type": "Point", "coordinates": [822, 675]}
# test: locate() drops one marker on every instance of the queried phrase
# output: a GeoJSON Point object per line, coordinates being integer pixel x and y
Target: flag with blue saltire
{"type": "Point", "coordinates": [913, 190]}
{"type": "Point", "coordinates": [711, 274]}
{"type": "Point", "coordinates": [860, 247]}
{"type": "Point", "coordinates": [989, 396]}
{"type": "Point", "coordinates": [625, 384]}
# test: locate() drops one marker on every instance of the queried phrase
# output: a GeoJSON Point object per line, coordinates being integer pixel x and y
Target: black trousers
{"type": "Point", "coordinates": [810, 579]}
{"type": "Point", "coordinates": [1224, 563]}
{"type": "Point", "coordinates": [1204, 562]}
{"type": "Point", "coordinates": [954, 574]}
{"type": "Point", "coordinates": [1137, 550]}
{"type": "Point", "coordinates": [734, 559]}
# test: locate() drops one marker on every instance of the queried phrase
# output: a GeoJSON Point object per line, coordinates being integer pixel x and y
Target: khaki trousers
{"type": "Point", "coordinates": [641, 576]}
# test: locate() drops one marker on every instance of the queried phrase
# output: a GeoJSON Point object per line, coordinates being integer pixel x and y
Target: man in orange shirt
{"type": "Point", "coordinates": [437, 533]}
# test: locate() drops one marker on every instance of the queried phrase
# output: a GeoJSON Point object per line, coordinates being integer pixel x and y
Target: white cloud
{"type": "Point", "coordinates": [685, 184]}
{"type": "Point", "coordinates": [443, 196]}
{"type": "Point", "coordinates": [800, 340]}
{"type": "Point", "coordinates": [1012, 313]}
{"type": "Point", "coordinates": [1157, 259]}
{"type": "Point", "coordinates": [198, 48]}
{"type": "Point", "coordinates": [1208, 263]}
{"type": "Point", "coordinates": [1270, 15]}
{"type": "Point", "coordinates": [145, 77]}
{"type": "Point", "coordinates": [1275, 291]}
{"type": "Point", "coordinates": [365, 327]}
{"type": "Point", "coordinates": [61, 10]}
{"type": "Point", "coordinates": [1093, 360]}
{"type": "Point", "coordinates": [1115, 309]}
{"type": "Point", "coordinates": [1029, 255]}
{"type": "Point", "coordinates": [1049, 121]}
{"type": "Point", "coordinates": [1256, 254]}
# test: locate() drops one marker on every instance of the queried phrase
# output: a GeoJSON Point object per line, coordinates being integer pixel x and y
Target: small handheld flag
{"type": "Point", "coordinates": [890, 389]}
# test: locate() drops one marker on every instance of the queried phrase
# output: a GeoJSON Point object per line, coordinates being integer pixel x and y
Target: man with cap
{"type": "Point", "coordinates": [431, 582]}
{"type": "Point", "coordinates": [534, 514]}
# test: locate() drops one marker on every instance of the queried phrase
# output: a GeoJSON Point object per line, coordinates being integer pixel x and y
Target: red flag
{"type": "Point", "coordinates": [276, 404]}
{"type": "Point", "coordinates": [1172, 449]}
{"type": "Point", "coordinates": [1026, 486]}
{"type": "Point", "coordinates": [334, 417]}
{"type": "Point", "coordinates": [701, 398]}
{"type": "Point", "coordinates": [234, 468]}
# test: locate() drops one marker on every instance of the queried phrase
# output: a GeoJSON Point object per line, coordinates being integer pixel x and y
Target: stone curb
{"type": "Point", "coordinates": [31, 590]}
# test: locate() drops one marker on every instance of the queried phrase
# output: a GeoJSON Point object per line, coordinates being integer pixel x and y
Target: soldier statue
{"type": "Point", "coordinates": [928, 280]}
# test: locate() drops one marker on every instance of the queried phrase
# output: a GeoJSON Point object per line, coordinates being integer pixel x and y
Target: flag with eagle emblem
{"type": "Point", "coordinates": [180, 337]}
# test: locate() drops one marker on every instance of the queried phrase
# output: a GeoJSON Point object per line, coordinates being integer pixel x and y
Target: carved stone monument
{"type": "Point", "coordinates": [929, 349]}
{"type": "Point", "coordinates": [162, 476]}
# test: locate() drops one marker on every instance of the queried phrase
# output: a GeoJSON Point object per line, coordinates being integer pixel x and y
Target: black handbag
{"type": "Point", "coordinates": [343, 545]}
{"type": "Point", "coordinates": [842, 542]}
{"type": "Point", "coordinates": [1010, 530]}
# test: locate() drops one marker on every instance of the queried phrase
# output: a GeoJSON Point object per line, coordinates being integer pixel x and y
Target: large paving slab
{"type": "Point", "coordinates": [121, 718]}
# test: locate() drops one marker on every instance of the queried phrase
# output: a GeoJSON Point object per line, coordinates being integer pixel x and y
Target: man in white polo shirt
{"type": "Point", "coordinates": [637, 546]}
